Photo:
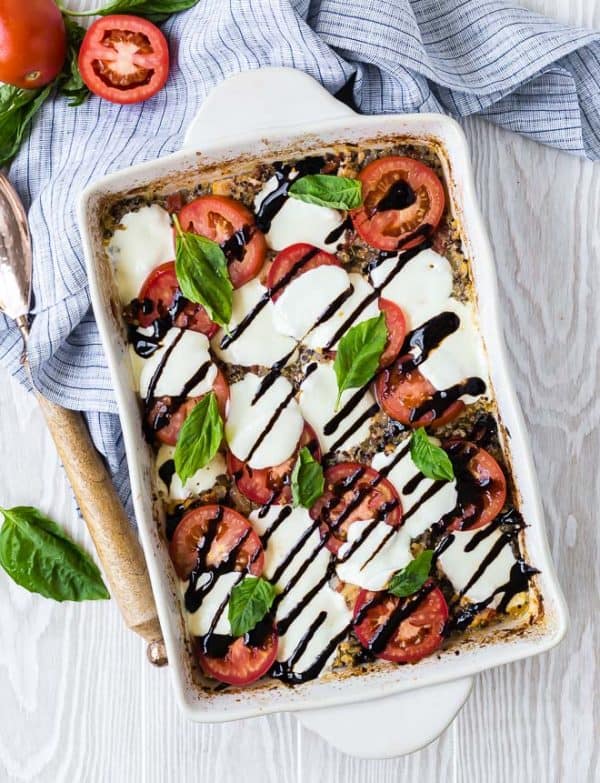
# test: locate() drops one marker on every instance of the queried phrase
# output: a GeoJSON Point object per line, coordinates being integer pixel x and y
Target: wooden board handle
{"type": "Point", "coordinates": [116, 543]}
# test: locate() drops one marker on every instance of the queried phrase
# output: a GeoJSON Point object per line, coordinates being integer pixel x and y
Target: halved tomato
{"type": "Point", "coordinates": [230, 224]}
{"type": "Point", "coordinates": [402, 392]}
{"type": "Point", "coordinates": [400, 196]}
{"type": "Point", "coordinates": [166, 415]}
{"type": "Point", "coordinates": [124, 59]}
{"type": "Point", "coordinates": [267, 485]}
{"type": "Point", "coordinates": [245, 660]}
{"type": "Point", "coordinates": [480, 484]}
{"type": "Point", "coordinates": [217, 534]}
{"type": "Point", "coordinates": [402, 630]}
{"type": "Point", "coordinates": [293, 261]}
{"type": "Point", "coordinates": [396, 329]}
{"type": "Point", "coordinates": [157, 296]}
{"type": "Point", "coordinates": [354, 492]}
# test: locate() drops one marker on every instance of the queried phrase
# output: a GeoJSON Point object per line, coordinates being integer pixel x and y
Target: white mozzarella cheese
{"type": "Point", "coordinates": [382, 551]}
{"type": "Point", "coordinates": [203, 479]}
{"type": "Point", "coordinates": [182, 353]}
{"type": "Point", "coordinates": [199, 622]}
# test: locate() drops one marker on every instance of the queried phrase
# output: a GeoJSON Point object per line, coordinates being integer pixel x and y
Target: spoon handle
{"type": "Point", "coordinates": [115, 541]}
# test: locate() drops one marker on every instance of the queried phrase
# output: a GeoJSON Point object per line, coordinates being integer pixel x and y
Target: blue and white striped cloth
{"type": "Point", "coordinates": [516, 68]}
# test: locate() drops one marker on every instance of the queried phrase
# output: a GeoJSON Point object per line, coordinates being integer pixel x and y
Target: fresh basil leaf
{"type": "Point", "coordinates": [40, 557]}
{"type": "Point", "coordinates": [413, 576]}
{"type": "Point", "coordinates": [69, 81]}
{"type": "Point", "coordinates": [199, 438]}
{"type": "Point", "coordinates": [358, 354]}
{"type": "Point", "coordinates": [431, 460]}
{"type": "Point", "coordinates": [249, 602]}
{"type": "Point", "coordinates": [327, 190]}
{"type": "Point", "coordinates": [308, 482]}
{"type": "Point", "coordinates": [201, 269]}
{"type": "Point", "coordinates": [17, 108]}
{"type": "Point", "coordinates": [154, 10]}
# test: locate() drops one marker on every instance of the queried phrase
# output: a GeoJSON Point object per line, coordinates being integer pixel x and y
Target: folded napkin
{"type": "Point", "coordinates": [516, 68]}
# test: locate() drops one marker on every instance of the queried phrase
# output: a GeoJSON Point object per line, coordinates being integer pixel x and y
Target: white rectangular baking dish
{"type": "Point", "coordinates": [266, 97]}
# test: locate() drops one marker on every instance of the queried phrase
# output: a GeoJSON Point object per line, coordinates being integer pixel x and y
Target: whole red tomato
{"type": "Point", "coordinates": [32, 42]}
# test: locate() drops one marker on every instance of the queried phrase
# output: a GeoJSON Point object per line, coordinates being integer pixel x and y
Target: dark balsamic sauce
{"type": "Point", "coordinates": [400, 195]}
{"type": "Point", "coordinates": [274, 201]}
{"type": "Point", "coordinates": [166, 472]}
{"type": "Point", "coordinates": [234, 248]}
{"type": "Point", "coordinates": [336, 234]}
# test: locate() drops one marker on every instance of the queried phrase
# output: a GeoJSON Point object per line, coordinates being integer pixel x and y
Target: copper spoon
{"type": "Point", "coordinates": [115, 541]}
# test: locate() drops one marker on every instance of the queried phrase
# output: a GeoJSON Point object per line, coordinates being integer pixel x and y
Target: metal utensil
{"type": "Point", "coordinates": [115, 542]}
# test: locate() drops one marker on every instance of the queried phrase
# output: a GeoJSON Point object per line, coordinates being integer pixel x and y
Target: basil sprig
{"type": "Point", "coordinates": [413, 576]}
{"type": "Point", "coordinates": [69, 81]}
{"type": "Point", "coordinates": [199, 438]}
{"type": "Point", "coordinates": [249, 602]}
{"type": "Point", "coordinates": [308, 482]}
{"type": "Point", "coordinates": [201, 269]}
{"type": "Point", "coordinates": [327, 190]}
{"type": "Point", "coordinates": [40, 557]}
{"type": "Point", "coordinates": [154, 10]}
{"type": "Point", "coordinates": [431, 460]}
{"type": "Point", "coordinates": [17, 108]}
{"type": "Point", "coordinates": [358, 354]}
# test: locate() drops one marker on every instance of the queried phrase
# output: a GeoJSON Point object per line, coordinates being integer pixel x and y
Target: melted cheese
{"type": "Point", "coordinates": [203, 479]}
{"type": "Point", "coordinates": [383, 551]}
{"type": "Point", "coordinates": [182, 353]}
{"type": "Point", "coordinates": [142, 242]}
{"type": "Point", "coordinates": [199, 622]}
{"type": "Point", "coordinates": [247, 422]}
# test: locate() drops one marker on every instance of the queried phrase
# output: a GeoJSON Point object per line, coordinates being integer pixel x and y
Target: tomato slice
{"type": "Point", "coordinates": [354, 492]}
{"type": "Point", "coordinates": [480, 484]}
{"type": "Point", "coordinates": [269, 485]}
{"type": "Point", "coordinates": [161, 292]}
{"type": "Point", "coordinates": [166, 415]}
{"type": "Point", "coordinates": [246, 659]}
{"type": "Point", "coordinates": [294, 261]}
{"type": "Point", "coordinates": [396, 328]}
{"type": "Point", "coordinates": [124, 59]}
{"type": "Point", "coordinates": [401, 393]}
{"type": "Point", "coordinates": [400, 196]}
{"type": "Point", "coordinates": [230, 224]}
{"type": "Point", "coordinates": [230, 533]}
{"type": "Point", "coordinates": [402, 630]}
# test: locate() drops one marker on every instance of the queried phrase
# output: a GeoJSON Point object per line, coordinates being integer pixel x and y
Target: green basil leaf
{"type": "Point", "coordinates": [327, 190]}
{"type": "Point", "coordinates": [249, 602]}
{"type": "Point", "coordinates": [69, 81]}
{"type": "Point", "coordinates": [308, 482]}
{"type": "Point", "coordinates": [413, 576]}
{"type": "Point", "coordinates": [40, 557]}
{"type": "Point", "coordinates": [154, 10]}
{"type": "Point", "coordinates": [199, 438]}
{"type": "Point", "coordinates": [17, 108]}
{"type": "Point", "coordinates": [201, 269]}
{"type": "Point", "coordinates": [431, 460]}
{"type": "Point", "coordinates": [358, 354]}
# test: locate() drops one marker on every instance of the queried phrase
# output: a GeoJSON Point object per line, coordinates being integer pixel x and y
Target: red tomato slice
{"type": "Point", "coordinates": [267, 485]}
{"type": "Point", "coordinates": [396, 328]}
{"type": "Point", "coordinates": [354, 492]}
{"type": "Point", "coordinates": [400, 195]}
{"type": "Point", "coordinates": [244, 662]}
{"type": "Point", "coordinates": [233, 534]}
{"type": "Point", "coordinates": [230, 224]}
{"type": "Point", "coordinates": [415, 637]}
{"type": "Point", "coordinates": [124, 59]}
{"type": "Point", "coordinates": [294, 261]}
{"type": "Point", "coordinates": [160, 289]}
{"type": "Point", "coordinates": [171, 419]}
{"type": "Point", "coordinates": [401, 393]}
{"type": "Point", "coordinates": [480, 484]}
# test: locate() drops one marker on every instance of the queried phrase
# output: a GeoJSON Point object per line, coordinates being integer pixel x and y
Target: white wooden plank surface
{"type": "Point", "coordinates": [79, 703]}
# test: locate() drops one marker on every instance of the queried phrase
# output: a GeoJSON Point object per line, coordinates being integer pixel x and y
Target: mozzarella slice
{"type": "Point", "coordinates": [182, 355]}
{"type": "Point", "coordinates": [421, 288]}
{"type": "Point", "coordinates": [298, 221]}
{"type": "Point", "coordinates": [267, 429]}
{"type": "Point", "coordinates": [350, 313]}
{"type": "Point", "coordinates": [317, 399]}
{"type": "Point", "coordinates": [259, 343]}
{"type": "Point", "coordinates": [424, 501]}
{"type": "Point", "coordinates": [373, 552]}
{"type": "Point", "coordinates": [203, 479]}
{"type": "Point", "coordinates": [142, 242]}
{"type": "Point", "coordinates": [215, 601]}
{"type": "Point", "coordinates": [460, 565]}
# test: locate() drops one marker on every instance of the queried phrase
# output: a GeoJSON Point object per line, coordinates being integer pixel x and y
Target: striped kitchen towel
{"type": "Point", "coordinates": [520, 70]}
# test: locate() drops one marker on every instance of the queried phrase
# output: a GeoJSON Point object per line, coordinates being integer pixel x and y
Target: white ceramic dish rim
{"type": "Point", "coordinates": [323, 693]}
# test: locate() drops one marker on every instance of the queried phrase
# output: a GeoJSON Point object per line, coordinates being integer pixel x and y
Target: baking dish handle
{"type": "Point", "coordinates": [391, 726]}
{"type": "Point", "coordinates": [261, 100]}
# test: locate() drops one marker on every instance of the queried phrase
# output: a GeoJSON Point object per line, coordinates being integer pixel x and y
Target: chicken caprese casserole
{"type": "Point", "coordinates": [313, 382]}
